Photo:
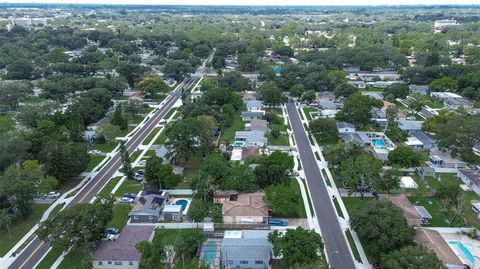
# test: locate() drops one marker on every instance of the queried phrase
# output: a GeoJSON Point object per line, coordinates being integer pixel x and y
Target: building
{"type": "Point", "coordinates": [257, 125]}
{"type": "Point", "coordinates": [433, 241]}
{"type": "Point", "coordinates": [419, 89]}
{"type": "Point", "coordinates": [381, 84]}
{"type": "Point", "coordinates": [249, 95]}
{"type": "Point", "coordinates": [172, 213]}
{"type": "Point", "coordinates": [443, 159]}
{"type": "Point", "coordinates": [471, 178]}
{"type": "Point", "coordinates": [254, 105]}
{"type": "Point", "coordinates": [345, 127]}
{"type": "Point", "coordinates": [251, 138]}
{"type": "Point", "coordinates": [420, 140]}
{"type": "Point", "coordinates": [324, 96]}
{"type": "Point", "coordinates": [379, 117]}
{"type": "Point", "coordinates": [248, 208]}
{"type": "Point", "coordinates": [357, 84]}
{"type": "Point", "coordinates": [440, 24]}
{"type": "Point", "coordinates": [327, 113]}
{"type": "Point", "coordinates": [378, 142]}
{"type": "Point", "coordinates": [409, 125]}
{"type": "Point", "coordinates": [148, 208]}
{"type": "Point", "coordinates": [246, 249]}
{"type": "Point", "coordinates": [409, 212]}
{"type": "Point", "coordinates": [122, 253]}
{"type": "Point", "coordinates": [252, 115]}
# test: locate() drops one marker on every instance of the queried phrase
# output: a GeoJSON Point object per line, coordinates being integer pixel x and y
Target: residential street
{"type": "Point", "coordinates": [35, 251]}
{"type": "Point", "coordinates": [336, 246]}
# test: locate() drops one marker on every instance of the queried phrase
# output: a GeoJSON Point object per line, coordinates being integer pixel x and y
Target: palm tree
{"type": "Point", "coordinates": [6, 220]}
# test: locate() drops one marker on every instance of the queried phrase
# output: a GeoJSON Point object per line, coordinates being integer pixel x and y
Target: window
{"type": "Point", "coordinates": [135, 217]}
{"type": "Point", "coordinates": [130, 263]}
{"type": "Point", "coordinates": [100, 263]}
{"type": "Point", "coordinates": [109, 262]}
{"type": "Point", "coordinates": [117, 263]}
{"type": "Point", "coordinates": [258, 262]}
{"type": "Point", "coordinates": [243, 262]}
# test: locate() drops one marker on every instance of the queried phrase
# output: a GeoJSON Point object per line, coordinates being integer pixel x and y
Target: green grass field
{"type": "Point", "coordinates": [94, 161]}
{"type": "Point", "coordinates": [151, 136]}
{"type": "Point", "coordinates": [120, 215]}
{"type": "Point", "coordinates": [110, 185]}
{"type": "Point", "coordinates": [128, 186]}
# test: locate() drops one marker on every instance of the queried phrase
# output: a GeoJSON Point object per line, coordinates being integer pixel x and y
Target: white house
{"type": "Point", "coordinates": [345, 127]}
{"type": "Point", "coordinates": [471, 178]}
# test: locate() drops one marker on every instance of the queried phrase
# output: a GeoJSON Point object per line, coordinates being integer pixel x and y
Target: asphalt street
{"type": "Point", "coordinates": [35, 251]}
{"type": "Point", "coordinates": [336, 245]}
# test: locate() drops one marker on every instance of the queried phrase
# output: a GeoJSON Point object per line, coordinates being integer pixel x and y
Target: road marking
{"type": "Point", "coordinates": [29, 257]}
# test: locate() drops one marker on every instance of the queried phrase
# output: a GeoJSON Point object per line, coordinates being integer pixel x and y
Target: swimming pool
{"type": "Point", "coordinates": [378, 143]}
{"type": "Point", "coordinates": [210, 252]}
{"type": "Point", "coordinates": [183, 203]}
{"type": "Point", "coordinates": [464, 250]}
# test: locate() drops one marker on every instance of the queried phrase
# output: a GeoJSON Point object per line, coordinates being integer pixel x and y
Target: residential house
{"type": "Point", "coordinates": [420, 140]}
{"type": "Point", "coordinates": [419, 89]}
{"type": "Point", "coordinates": [471, 178]}
{"type": "Point", "coordinates": [324, 96]}
{"type": "Point", "coordinates": [354, 137]}
{"type": "Point", "coordinates": [122, 253]}
{"type": "Point", "coordinates": [248, 208]}
{"type": "Point", "coordinates": [381, 84]}
{"type": "Point", "coordinates": [257, 125]}
{"type": "Point", "coordinates": [374, 95]}
{"type": "Point", "coordinates": [246, 249]}
{"type": "Point", "coordinates": [249, 95]}
{"type": "Point", "coordinates": [345, 127]}
{"type": "Point", "coordinates": [254, 105]}
{"type": "Point", "coordinates": [409, 125]}
{"type": "Point", "coordinates": [428, 113]}
{"type": "Point", "coordinates": [252, 115]}
{"type": "Point", "coordinates": [251, 138]}
{"type": "Point", "coordinates": [379, 117]}
{"type": "Point", "coordinates": [172, 213]}
{"type": "Point", "coordinates": [327, 113]}
{"type": "Point", "coordinates": [221, 196]}
{"type": "Point", "coordinates": [357, 84]}
{"type": "Point", "coordinates": [432, 240]}
{"type": "Point", "coordinates": [327, 105]}
{"type": "Point", "coordinates": [409, 212]}
{"type": "Point", "coordinates": [443, 159]}
{"type": "Point", "coordinates": [148, 208]}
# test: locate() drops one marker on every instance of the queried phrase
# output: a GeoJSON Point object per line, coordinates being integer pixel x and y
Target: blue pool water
{"type": "Point", "coordinates": [378, 143]}
{"type": "Point", "coordinates": [464, 250]}
{"type": "Point", "coordinates": [183, 203]}
{"type": "Point", "coordinates": [210, 253]}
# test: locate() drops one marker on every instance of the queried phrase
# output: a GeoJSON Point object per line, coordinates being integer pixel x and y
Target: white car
{"type": "Point", "coordinates": [53, 194]}
{"type": "Point", "coordinates": [125, 200]}
{"type": "Point", "coordinates": [95, 152]}
{"type": "Point", "coordinates": [108, 237]}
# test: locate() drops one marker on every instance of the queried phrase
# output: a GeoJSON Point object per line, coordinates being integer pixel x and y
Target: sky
{"type": "Point", "coordinates": [258, 2]}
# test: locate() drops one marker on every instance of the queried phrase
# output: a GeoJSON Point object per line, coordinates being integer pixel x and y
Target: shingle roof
{"type": "Point", "coordinates": [253, 103]}
{"type": "Point", "coordinates": [247, 204]}
{"type": "Point", "coordinates": [344, 124]}
{"type": "Point", "coordinates": [360, 138]}
{"type": "Point", "coordinates": [252, 114]}
{"type": "Point", "coordinates": [409, 125]}
{"type": "Point", "coordinates": [258, 125]}
{"type": "Point", "coordinates": [472, 175]}
{"type": "Point", "coordinates": [432, 240]}
{"type": "Point", "coordinates": [423, 137]}
{"type": "Point", "coordinates": [123, 248]}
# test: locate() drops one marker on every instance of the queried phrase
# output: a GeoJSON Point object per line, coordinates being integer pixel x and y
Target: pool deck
{"type": "Point", "coordinates": [218, 243]}
{"type": "Point", "coordinates": [473, 246]}
{"type": "Point", "coordinates": [189, 200]}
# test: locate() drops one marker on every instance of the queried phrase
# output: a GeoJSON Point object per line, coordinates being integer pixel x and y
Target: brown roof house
{"type": "Point", "coordinates": [122, 253]}
{"type": "Point", "coordinates": [248, 208]}
{"type": "Point", "coordinates": [409, 211]}
{"type": "Point", "coordinates": [433, 241]}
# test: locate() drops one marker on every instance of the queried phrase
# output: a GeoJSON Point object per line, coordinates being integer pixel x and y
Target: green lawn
{"type": "Point", "coordinates": [352, 203]}
{"type": "Point", "coordinates": [169, 113]}
{"type": "Point", "coordinates": [106, 148]}
{"type": "Point", "coordinates": [353, 246]}
{"type": "Point", "coordinates": [48, 260]}
{"type": "Point", "coordinates": [75, 259]}
{"type": "Point", "coordinates": [228, 133]}
{"type": "Point", "coordinates": [161, 139]}
{"type": "Point", "coordinates": [275, 110]}
{"type": "Point", "coordinates": [433, 104]}
{"type": "Point", "coordinates": [191, 168]}
{"type": "Point", "coordinates": [372, 89]}
{"type": "Point", "coordinates": [282, 140]}
{"type": "Point", "coordinates": [301, 115]}
{"type": "Point", "coordinates": [135, 155]}
{"type": "Point", "coordinates": [120, 215]}
{"type": "Point", "coordinates": [110, 185]}
{"type": "Point", "coordinates": [19, 228]}
{"type": "Point", "coordinates": [128, 186]}
{"type": "Point", "coordinates": [280, 126]}
{"type": "Point", "coordinates": [337, 208]}
{"type": "Point", "coordinates": [135, 119]}
{"type": "Point", "coordinates": [151, 136]}
{"type": "Point", "coordinates": [433, 207]}
{"type": "Point", "coordinates": [301, 206]}
{"type": "Point", "coordinates": [94, 161]}
{"type": "Point", "coordinates": [307, 111]}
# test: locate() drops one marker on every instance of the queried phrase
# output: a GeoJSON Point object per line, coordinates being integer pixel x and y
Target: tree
{"type": "Point", "coordinates": [217, 167]}
{"type": "Point", "coordinates": [460, 134]}
{"type": "Point", "coordinates": [417, 103]}
{"type": "Point", "coordinates": [283, 51]}
{"type": "Point", "coordinates": [271, 94]}
{"type": "Point", "coordinates": [309, 96]}
{"type": "Point", "coordinates": [6, 124]}
{"type": "Point", "coordinates": [14, 146]}
{"type": "Point", "coordinates": [20, 69]}
{"type": "Point", "coordinates": [443, 84]}
{"type": "Point", "coordinates": [119, 119]}
{"type": "Point", "coordinates": [344, 90]}
{"type": "Point", "coordinates": [109, 131]}
{"type": "Point", "coordinates": [57, 55]}
{"type": "Point", "coordinates": [309, 251]}
{"type": "Point", "coordinates": [247, 62]}
{"type": "Point", "coordinates": [432, 124]}
{"type": "Point", "coordinates": [404, 156]}
{"type": "Point", "coordinates": [390, 179]}
{"type": "Point", "coordinates": [208, 125]}
{"type": "Point", "coordinates": [283, 200]}
{"type": "Point", "coordinates": [153, 86]}
{"type": "Point", "coordinates": [412, 257]}
{"type": "Point", "coordinates": [297, 90]}
{"type": "Point", "coordinates": [81, 225]}
{"type": "Point", "coordinates": [64, 160]}
{"type": "Point", "coordinates": [131, 72]}
{"type": "Point", "coordinates": [152, 253]}
{"type": "Point", "coordinates": [160, 174]}
{"type": "Point", "coordinates": [127, 163]}
{"type": "Point", "coordinates": [398, 90]}
{"type": "Point", "coordinates": [275, 132]}
{"type": "Point", "coordinates": [273, 169]}
{"type": "Point", "coordinates": [189, 240]}
{"type": "Point", "coordinates": [324, 129]}
{"type": "Point", "coordinates": [381, 227]}
{"type": "Point", "coordinates": [178, 69]}
{"type": "Point", "coordinates": [356, 109]}
{"type": "Point", "coordinates": [11, 94]}
{"type": "Point", "coordinates": [181, 138]}
{"type": "Point", "coordinates": [361, 172]}
{"type": "Point", "coordinates": [241, 178]}
{"type": "Point", "coordinates": [6, 220]}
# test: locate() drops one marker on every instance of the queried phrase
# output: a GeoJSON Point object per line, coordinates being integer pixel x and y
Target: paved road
{"type": "Point", "coordinates": [34, 252]}
{"type": "Point", "coordinates": [336, 245]}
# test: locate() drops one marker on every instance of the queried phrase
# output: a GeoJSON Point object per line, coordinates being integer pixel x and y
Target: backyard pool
{"type": "Point", "coordinates": [378, 143]}
{"type": "Point", "coordinates": [462, 252]}
{"type": "Point", "coordinates": [210, 253]}
{"type": "Point", "coordinates": [183, 203]}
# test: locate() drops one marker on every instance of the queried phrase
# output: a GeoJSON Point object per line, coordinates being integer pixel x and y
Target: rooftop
{"type": "Point", "coordinates": [409, 125]}
{"type": "Point", "coordinates": [344, 124]}
{"type": "Point", "coordinates": [432, 240]}
{"type": "Point", "coordinates": [472, 175]}
{"type": "Point", "coordinates": [247, 204]}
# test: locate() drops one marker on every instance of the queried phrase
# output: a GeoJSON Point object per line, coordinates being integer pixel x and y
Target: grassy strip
{"type": "Point", "coordinates": [110, 185]}
{"type": "Point", "coordinates": [161, 139]}
{"type": "Point", "coordinates": [128, 186]}
{"type": "Point", "coordinates": [356, 254]}
{"type": "Point", "coordinates": [317, 155]}
{"type": "Point", "coordinates": [312, 211]}
{"type": "Point", "coordinates": [151, 136]}
{"type": "Point", "coordinates": [105, 148]}
{"type": "Point", "coordinates": [170, 113]}
{"type": "Point", "coordinates": [94, 161]}
{"type": "Point", "coordinates": [48, 260]}
{"type": "Point", "coordinates": [300, 112]}
{"type": "Point", "coordinates": [337, 208]}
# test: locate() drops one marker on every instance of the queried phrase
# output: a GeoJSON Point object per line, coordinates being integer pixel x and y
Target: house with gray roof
{"type": "Point", "coordinates": [327, 105]}
{"type": "Point", "coordinates": [251, 138]}
{"type": "Point", "coordinates": [471, 178]}
{"type": "Point", "coordinates": [252, 115]}
{"type": "Point", "coordinates": [426, 141]}
{"type": "Point", "coordinates": [148, 208]}
{"type": "Point", "coordinates": [419, 89]}
{"type": "Point", "coordinates": [360, 138]}
{"type": "Point", "coordinates": [122, 253]}
{"type": "Point", "coordinates": [253, 105]}
{"type": "Point", "coordinates": [409, 125]}
{"type": "Point", "coordinates": [246, 249]}
{"type": "Point", "coordinates": [345, 127]}
{"type": "Point", "coordinates": [357, 84]}
{"type": "Point", "coordinates": [379, 117]}
{"type": "Point", "coordinates": [257, 125]}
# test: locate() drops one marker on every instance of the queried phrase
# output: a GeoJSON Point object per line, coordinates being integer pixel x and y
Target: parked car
{"type": "Point", "coordinates": [277, 222]}
{"type": "Point", "coordinates": [141, 172]}
{"type": "Point", "coordinates": [130, 195]}
{"type": "Point", "coordinates": [112, 230]}
{"type": "Point", "coordinates": [108, 237]}
{"type": "Point", "coordinates": [138, 177]}
{"type": "Point", "coordinates": [125, 200]}
{"type": "Point", "coordinates": [95, 152]}
{"type": "Point", "coordinates": [53, 194]}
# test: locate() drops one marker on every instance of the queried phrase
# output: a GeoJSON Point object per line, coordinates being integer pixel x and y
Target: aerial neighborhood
{"type": "Point", "coordinates": [141, 137]}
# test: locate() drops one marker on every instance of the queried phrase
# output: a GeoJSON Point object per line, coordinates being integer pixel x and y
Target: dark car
{"type": "Point", "coordinates": [130, 195]}
{"type": "Point", "coordinates": [277, 222]}
{"type": "Point", "coordinates": [112, 230]}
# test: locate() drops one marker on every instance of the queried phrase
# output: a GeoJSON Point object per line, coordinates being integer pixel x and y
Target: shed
{"type": "Point", "coordinates": [172, 213]}
{"type": "Point", "coordinates": [408, 183]}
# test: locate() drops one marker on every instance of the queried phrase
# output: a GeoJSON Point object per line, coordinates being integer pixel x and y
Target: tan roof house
{"type": "Point", "coordinates": [433, 241]}
{"type": "Point", "coordinates": [248, 208]}
{"type": "Point", "coordinates": [411, 214]}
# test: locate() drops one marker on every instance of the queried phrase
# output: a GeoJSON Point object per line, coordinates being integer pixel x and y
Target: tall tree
{"type": "Point", "coordinates": [390, 179]}
{"type": "Point", "coordinates": [6, 220]}
{"type": "Point", "coordinates": [153, 85]}
{"type": "Point", "coordinates": [361, 172]}
{"type": "Point", "coordinates": [127, 163]}
{"type": "Point", "coordinates": [411, 257]}
{"type": "Point", "coordinates": [181, 138]}
{"type": "Point", "coordinates": [324, 129]}
{"type": "Point", "coordinates": [273, 169]}
{"type": "Point", "coordinates": [271, 94]}
{"type": "Point", "coordinates": [404, 156]}
{"type": "Point", "coordinates": [356, 109]}
{"type": "Point", "coordinates": [153, 253]}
